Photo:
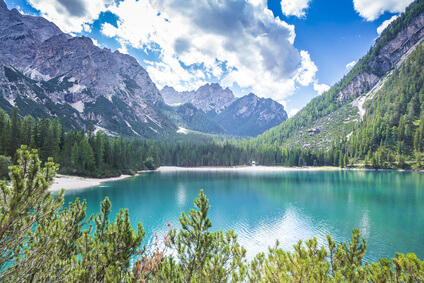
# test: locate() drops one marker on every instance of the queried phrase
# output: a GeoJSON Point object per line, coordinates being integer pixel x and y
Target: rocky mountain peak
{"type": "Point", "coordinates": [212, 87]}
{"type": "Point", "coordinates": [167, 88]}
{"type": "Point", "coordinates": [209, 97]}
{"type": "Point", "coordinates": [72, 70]}
{"type": "Point", "coordinates": [3, 5]}
{"type": "Point", "coordinates": [251, 115]}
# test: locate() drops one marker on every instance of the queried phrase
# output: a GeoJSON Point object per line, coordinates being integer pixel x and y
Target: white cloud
{"type": "Point", "coordinates": [321, 88]}
{"type": "Point", "coordinates": [386, 23]}
{"type": "Point", "coordinates": [95, 42]}
{"type": "Point", "coordinates": [307, 70]}
{"type": "Point", "coordinates": [236, 41]}
{"type": "Point", "coordinates": [87, 27]}
{"type": "Point", "coordinates": [295, 7]}
{"type": "Point", "coordinates": [350, 65]}
{"type": "Point", "coordinates": [372, 9]}
{"type": "Point", "coordinates": [109, 30]}
{"type": "Point", "coordinates": [293, 112]}
{"type": "Point", "coordinates": [71, 15]}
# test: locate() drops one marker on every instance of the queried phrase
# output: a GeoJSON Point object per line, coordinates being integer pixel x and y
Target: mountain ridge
{"type": "Point", "coordinates": [52, 68]}
{"type": "Point", "coordinates": [208, 97]}
{"type": "Point", "coordinates": [249, 115]}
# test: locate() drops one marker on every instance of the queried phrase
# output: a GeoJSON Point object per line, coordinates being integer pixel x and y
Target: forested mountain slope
{"type": "Point", "coordinates": [337, 112]}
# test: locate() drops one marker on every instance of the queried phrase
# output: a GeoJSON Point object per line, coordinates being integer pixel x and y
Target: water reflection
{"type": "Point", "coordinates": [387, 207]}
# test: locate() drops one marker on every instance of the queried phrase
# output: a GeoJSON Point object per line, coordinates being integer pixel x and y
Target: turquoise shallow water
{"type": "Point", "coordinates": [387, 207]}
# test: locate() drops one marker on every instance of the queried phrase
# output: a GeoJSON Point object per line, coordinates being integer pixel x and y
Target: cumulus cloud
{"type": "Point", "coordinates": [95, 42]}
{"type": "Point", "coordinates": [295, 7]}
{"type": "Point", "coordinates": [350, 65]}
{"type": "Point", "coordinates": [307, 70]}
{"type": "Point", "coordinates": [236, 41]}
{"type": "Point", "coordinates": [372, 9]}
{"type": "Point", "coordinates": [321, 88]}
{"type": "Point", "coordinates": [386, 23]}
{"type": "Point", "coordinates": [293, 112]}
{"type": "Point", "coordinates": [71, 15]}
{"type": "Point", "coordinates": [109, 30]}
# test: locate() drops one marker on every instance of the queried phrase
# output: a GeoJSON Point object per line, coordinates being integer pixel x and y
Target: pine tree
{"type": "Point", "coordinates": [202, 256]}
{"type": "Point", "coordinates": [14, 133]}
{"type": "Point", "coordinates": [417, 141]}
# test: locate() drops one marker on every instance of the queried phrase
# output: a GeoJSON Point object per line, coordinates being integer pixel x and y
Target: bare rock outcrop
{"type": "Point", "coordinates": [386, 59]}
{"type": "Point", "coordinates": [361, 83]}
{"type": "Point", "coordinates": [209, 97]}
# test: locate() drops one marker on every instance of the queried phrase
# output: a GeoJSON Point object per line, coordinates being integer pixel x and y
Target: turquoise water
{"type": "Point", "coordinates": [387, 207]}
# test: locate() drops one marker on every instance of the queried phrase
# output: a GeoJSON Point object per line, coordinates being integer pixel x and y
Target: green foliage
{"type": "Point", "coordinates": [5, 163]}
{"type": "Point", "coordinates": [201, 255]}
{"type": "Point", "coordinates": [150, 163]}
{"type": "Point", "coordinates": [106, 256]}
{"type": "Point", "coordinates": [11, 74]}
{"type": "Point", "coordinates": [40, 241]}
{"type": "Point", "coordinates": [335, 262]}
{"type": "Point", "coordinates": [22, 205]}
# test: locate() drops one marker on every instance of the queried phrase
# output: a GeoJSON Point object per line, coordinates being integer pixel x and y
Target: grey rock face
{"type": "Point", "coordinates": [3, 5]}
{"type": "Point", "coordinates": [72, 78]}
{"type": "Point", "coordinates": [362, 82]}
{"type": "Point", "coordinates": [391, 53]}
{"type": "Point", "coordinates": [210, 97]}
{"type": "Point", "coordinates": [73, 70]}
{"type": "Point", "coordinates": [387, 58]}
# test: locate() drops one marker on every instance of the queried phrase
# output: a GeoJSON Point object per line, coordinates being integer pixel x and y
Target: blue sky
{"type": "Point", "coordinates": [288, 50]}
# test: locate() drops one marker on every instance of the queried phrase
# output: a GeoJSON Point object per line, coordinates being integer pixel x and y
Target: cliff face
{"type": "Point", "coordinates": [391, 53]}
{"type": "Point", "coordinates": [361, 83]}
{"type": "Point", "coordinates": [387, 57]}
{"type": "Point", "coordinates": [48, 64]}
{"type": "Point", "coordinates": [210, 97]}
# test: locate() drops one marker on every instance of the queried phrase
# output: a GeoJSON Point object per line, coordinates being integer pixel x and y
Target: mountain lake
{"type": "Point", "coordinates": [386, 206]}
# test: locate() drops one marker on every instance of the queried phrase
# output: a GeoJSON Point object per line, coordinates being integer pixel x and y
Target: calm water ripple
{"type": "Point", "coordinates": [387, 207]}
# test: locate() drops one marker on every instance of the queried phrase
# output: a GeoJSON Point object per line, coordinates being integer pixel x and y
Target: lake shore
{"type": "Point", "coordinates": [245, 169]}
{"type": "Point", "coordinates": [74, 182]}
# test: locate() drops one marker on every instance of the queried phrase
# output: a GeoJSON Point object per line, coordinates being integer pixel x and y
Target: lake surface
{"type": "Point", "coordinates": [387, 207]}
